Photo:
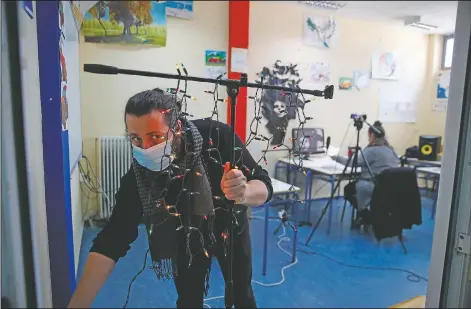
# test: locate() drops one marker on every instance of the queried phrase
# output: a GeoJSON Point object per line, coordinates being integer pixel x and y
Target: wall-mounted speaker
{"type": "Point", "coordinates": [429, 147]}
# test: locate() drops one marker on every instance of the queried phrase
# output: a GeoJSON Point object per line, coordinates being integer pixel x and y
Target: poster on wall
{"type": "Point", "coordinates": [443, 85]}
{"type": "Point", "coordinates": [319, 73]}
{"type": "Point", "coordinates": [440, 105]}
{"type": "Point", "coordinates": [345, 83]}
{"type": "Point", "coordinates": [319, 31]}
{"type": "Point", "coordinates": [215, 63]}
{"type": "Point", "coordinates": [278, 108]}
{"type": "Point", "coordinates": [180, 9]}
{"type": "Point", "coordinates": [126, 22]}
{"type": "Point", "coordinates": [384, 66]}
{"type": "Point", "coordinates": [398, 102]}
{"type": "Point", "coordinates": [70, 81]}
{"type": "Point", "coordinates": [361, 79]}
{"type": "Point", "coordinates": [239, 60]}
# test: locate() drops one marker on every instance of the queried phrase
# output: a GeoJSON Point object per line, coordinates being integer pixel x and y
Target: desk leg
{"type": "Point", "coordinates": [296, 218]}
{"type": "Point", "coordinates": [277, 166]}
{"type": "Point", "coordinates": [434, 207]}
{"type": "Point", "coordinates": [310, 176]}
{"type": "Point", "coordinates": [307, 197]}
{"type": "Point", "coordinates": [265, 239]}
{"type": "Point", "coordinates": [332, 187]}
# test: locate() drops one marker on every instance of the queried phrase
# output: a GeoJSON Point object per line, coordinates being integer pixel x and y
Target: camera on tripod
{"type": "Point", "coordinates": [358, 120]}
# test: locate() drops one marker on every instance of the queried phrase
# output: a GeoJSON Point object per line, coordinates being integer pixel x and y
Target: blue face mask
{"type": "Point", "coordinates": [154, 158]}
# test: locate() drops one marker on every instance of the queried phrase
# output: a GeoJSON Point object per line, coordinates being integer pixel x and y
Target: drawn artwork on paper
{"type": "Point", "coordinates": [361, 79]}
{"type": "Point", "coordinates": [215, 63]}
{"type": "Point", "coordinates": [443, 85]}
{"type": "Point", "coordinates": [180, 9]}
{"type": "Point", "coordinates": [319, 31]}
{"type": "Point", "coordinates": [126, 22]}
{"type": "Point", "coordinates": [278, 107]}
{"type": "Point", "coordinates": [345, 83]}
{"type": "Point", "coordinates": [63, 66]}
{"type": "Point", "coordinates": [319, 73]}
{"type": "Point", "coordinates": [384, 66]}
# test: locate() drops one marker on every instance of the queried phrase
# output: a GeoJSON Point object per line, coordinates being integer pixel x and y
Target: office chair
{"type": "Point", "coordinates": [395, 203]}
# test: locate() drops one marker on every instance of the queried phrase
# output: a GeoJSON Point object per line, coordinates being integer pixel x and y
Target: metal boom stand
{"type": "Point", "coordinates": [358, 123]}
{"type": "Point", "coordinates": [232, 88]}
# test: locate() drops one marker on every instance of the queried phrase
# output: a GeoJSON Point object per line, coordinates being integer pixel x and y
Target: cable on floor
{"type": "Point", "coordinates": [281, 238]}
{"type": "Point", "coordinates": [412, 277]}
{"type": "Point", "coordinates": [135, 277]}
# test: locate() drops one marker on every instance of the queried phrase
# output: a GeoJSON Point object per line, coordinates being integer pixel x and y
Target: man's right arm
{"type": "Point", "coordinates": [97, 269]}
{"type": "Point", "coordinates": [111, 243]}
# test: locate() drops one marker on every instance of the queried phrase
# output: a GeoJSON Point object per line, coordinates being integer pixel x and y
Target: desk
{"type": "Point", "coordinates": [281, 188]}
{"type": "Point", "coordinates": [422, 163]}
{"type": "Point", "coordinates": [320, 166]}
{"type": "Point", "coordinates": [433, 171]}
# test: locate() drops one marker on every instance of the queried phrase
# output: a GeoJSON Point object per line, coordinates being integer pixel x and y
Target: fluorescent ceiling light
{"type": "Point", "coordinates": [414, 21]}
{"type": "Point", "coordinates": [423, 26]}
{"type": "Point", "coordinates": [332, 5]}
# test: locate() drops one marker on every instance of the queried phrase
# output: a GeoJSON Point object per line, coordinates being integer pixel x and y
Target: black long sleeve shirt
{"type": "Point", "coordinates": [122, 229]}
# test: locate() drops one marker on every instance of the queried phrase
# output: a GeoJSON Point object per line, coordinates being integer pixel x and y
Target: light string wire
{"type": "Point", "coordinates": [302, 119]}
{"type": "Point", "coordinates": [179, 111]}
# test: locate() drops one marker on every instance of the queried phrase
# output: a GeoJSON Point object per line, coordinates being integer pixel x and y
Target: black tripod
{"type": "Point", "coordinates": [358, 124]}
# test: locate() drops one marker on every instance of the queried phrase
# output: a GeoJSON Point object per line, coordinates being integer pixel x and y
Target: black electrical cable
{"type": "Point", "coordinates": [134, 278]}
{"type": "Point", "coordinates": [412, 277]}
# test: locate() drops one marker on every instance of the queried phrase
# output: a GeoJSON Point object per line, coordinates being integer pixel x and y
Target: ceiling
{"type": "Point", "coordinates": [437, 13]}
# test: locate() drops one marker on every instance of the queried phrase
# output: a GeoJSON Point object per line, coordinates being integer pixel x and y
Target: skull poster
{"type": "Point", "coordinates": [278, 107]}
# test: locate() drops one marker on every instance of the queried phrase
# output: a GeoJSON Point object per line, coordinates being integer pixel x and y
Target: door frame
{"type": "Point", "coordinates": [449, 268]}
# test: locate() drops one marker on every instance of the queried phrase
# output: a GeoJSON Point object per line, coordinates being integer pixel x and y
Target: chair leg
{"type": "Point", "coordinates": [401, 240]}
{"type": "Point", "coordinates": [343, 211]}
{"type": "Point", "coordinates": [353, 217]}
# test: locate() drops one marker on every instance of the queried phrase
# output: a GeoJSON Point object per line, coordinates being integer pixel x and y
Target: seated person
{"type": "Point", "coordinates": [379, 155]}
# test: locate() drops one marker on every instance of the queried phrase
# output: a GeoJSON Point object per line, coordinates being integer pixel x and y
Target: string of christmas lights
{"type": "Point", "coordinates": [302, 119]}
{"type": "Point", "coordinates": [179, 112]}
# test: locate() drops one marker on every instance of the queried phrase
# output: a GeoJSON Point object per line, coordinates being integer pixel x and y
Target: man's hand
{"type": "Point", "coordinates": [234, 184]}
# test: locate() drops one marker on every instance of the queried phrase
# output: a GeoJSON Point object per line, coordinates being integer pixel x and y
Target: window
{"type": "Point", "coordinates": [447, 55]}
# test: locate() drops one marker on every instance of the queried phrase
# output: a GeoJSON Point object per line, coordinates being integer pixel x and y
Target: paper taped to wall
{"type": "Point", "coordinates": [239, 62]}
{"type": "Point", "coordinates": [398, 102]}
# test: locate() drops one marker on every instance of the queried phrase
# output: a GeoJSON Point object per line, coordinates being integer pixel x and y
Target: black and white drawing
{"type": "Point", "coordinates": [279, 107]}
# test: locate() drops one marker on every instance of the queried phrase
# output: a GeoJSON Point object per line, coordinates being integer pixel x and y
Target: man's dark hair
{"type": "Point", "coordinates": [147, 101]}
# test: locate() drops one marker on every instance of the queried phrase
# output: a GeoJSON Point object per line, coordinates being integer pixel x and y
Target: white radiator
{"type": "Point", "coordinates": [114, 160]}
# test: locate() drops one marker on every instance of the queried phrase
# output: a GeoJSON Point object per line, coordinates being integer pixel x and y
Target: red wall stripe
{"type": "Point", "coordinates": [239, 13]}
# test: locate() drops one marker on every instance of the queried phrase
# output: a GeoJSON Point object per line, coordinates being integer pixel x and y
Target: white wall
{"type": "Point", "coordinates": [71, 54]}
{"type": "Point", "coordinates": [104, 96]}
{"type": "Point", "coordinates": [77, 214]}
{"type": "Point", "coordinates": [279, 37]}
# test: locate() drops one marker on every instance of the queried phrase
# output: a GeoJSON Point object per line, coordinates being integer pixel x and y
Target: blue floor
{"type": "Point", "coordinates": [315, 281]}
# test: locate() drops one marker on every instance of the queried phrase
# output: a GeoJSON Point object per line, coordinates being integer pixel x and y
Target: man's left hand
{"type": "Point", "coordinates": [233, 184]}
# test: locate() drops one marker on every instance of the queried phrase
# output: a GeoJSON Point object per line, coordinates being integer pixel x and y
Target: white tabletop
{"type": "Point", "coordinates": [415, 161]}
{"type": "Point", "coordinates": [321, 164]}
{"type": "Point", "coordinates": [430, 170]}
{"type": "Point", "coordinates": [281, 187]}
